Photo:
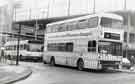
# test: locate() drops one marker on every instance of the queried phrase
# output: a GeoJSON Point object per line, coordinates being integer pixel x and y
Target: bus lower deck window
{"type": "Point", "coordinates": [91, 46]}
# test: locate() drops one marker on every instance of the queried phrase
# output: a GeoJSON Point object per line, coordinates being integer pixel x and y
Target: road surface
{"type": "Point", "coordinates": [45, 74]}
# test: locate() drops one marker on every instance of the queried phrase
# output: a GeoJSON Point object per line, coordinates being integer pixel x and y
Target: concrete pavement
{"type": "Point", "coordinates": [127, 70]}
{"type": "Point", "coordinates": [13, 73]}
{"type": "Point", "coordinates": [46, 74]}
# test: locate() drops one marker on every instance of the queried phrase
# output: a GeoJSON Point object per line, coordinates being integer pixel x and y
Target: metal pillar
{"type": "Point", "coordinates": [128, 26]}
{"type": "Point", "coordinates": [128, 34]}
{"type": "Point", "coordinates": [18, 43]}
{"type": "Point", "coordinates": [48, 9]}
{"type": "Point", "coordinates": [94, 6]}
{"type": "Point", "coordinates": [125, 5]}
{"type": "Point", "coordinates": [36, 29]}
{"type": "Point", "coordinates": [29, 13]}
{"type": "Point", "coordinates": [68, 11]}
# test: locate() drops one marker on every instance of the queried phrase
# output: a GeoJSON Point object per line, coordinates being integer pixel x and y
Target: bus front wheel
{"type": "Point", "coordinates": [44, 62]}
{"type": "Point", "coordinates": [80, 65]}
{"type": "Point", "coordinates": [52, 61]}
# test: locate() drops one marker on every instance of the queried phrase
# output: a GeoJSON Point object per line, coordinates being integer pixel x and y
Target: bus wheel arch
{"type": "Point", "coordinates": [80, 64]}
{"type": "Point", "coordinates": [52, 61]}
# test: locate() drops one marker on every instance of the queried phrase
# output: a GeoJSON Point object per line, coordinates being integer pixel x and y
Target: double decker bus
{"type": "Point", "coordinates": [28, 50]}
{"type": "Point", "coordinates": [92, 41]}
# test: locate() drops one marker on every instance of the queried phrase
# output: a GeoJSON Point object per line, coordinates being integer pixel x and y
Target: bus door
{"type": "Point", "coordinates": [91, 55]}
{"type": "Point", "coordinates": [70, 54]}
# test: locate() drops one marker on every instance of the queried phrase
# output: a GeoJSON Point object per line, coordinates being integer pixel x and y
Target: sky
{"type": "Point", "coordinates": [60, 7]}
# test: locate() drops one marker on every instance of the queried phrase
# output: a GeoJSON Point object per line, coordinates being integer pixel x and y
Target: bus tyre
{"type": "Point", "coordinates": [52, 62]}
{"type": "Point", "coordinates": [44, 62]}
{"type": "Point", "coordinates": [80, 65]}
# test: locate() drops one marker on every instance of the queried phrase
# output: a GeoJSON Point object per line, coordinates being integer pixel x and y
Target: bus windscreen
{"type": "Point", "coordinates": [113, 48]}
{"type": "Point", "coordinates": [110, 23]}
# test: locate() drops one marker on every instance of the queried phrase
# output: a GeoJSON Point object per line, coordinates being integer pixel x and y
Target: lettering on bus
{"type": "Point", "coordinates": [112, 36]}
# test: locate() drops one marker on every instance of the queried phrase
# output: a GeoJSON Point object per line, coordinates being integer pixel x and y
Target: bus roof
{"type": "Point", "coordinates": [108, 15]}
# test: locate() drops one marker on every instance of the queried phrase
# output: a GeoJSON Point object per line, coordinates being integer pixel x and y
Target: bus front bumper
{"type": "Point", "coordinates": [110, 64]}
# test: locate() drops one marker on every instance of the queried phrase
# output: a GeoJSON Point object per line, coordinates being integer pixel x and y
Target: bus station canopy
{"type": "Point", "coordinates": [46, 20]}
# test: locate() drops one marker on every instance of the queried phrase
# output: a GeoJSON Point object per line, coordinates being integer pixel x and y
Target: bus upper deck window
{"type": "Point", "coordinates": [110, 22]}
{"type": "Point", "coordinates": [83, 24]}
{"type": "Point", "coordinates": [93, 22]}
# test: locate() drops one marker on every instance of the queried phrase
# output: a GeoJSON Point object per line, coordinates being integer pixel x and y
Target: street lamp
{"type": "Point", "coordinates": [68, 11]}
{"type": "Point", "coordinates": [94, 6]}
{"type": "Point", "coordinates": [13, 5]}
{"type": "Point", "coordinates": [127, 27]}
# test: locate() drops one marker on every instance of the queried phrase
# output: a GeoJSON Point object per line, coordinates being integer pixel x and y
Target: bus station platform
{"type": "Point", "coordinates": [13, 73]}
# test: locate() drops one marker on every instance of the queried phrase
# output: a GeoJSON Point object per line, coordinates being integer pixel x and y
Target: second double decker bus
{"type": "Point", "coordinates": [92, 41]}
{"type": "Point", "coordinates": [28, 49]}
